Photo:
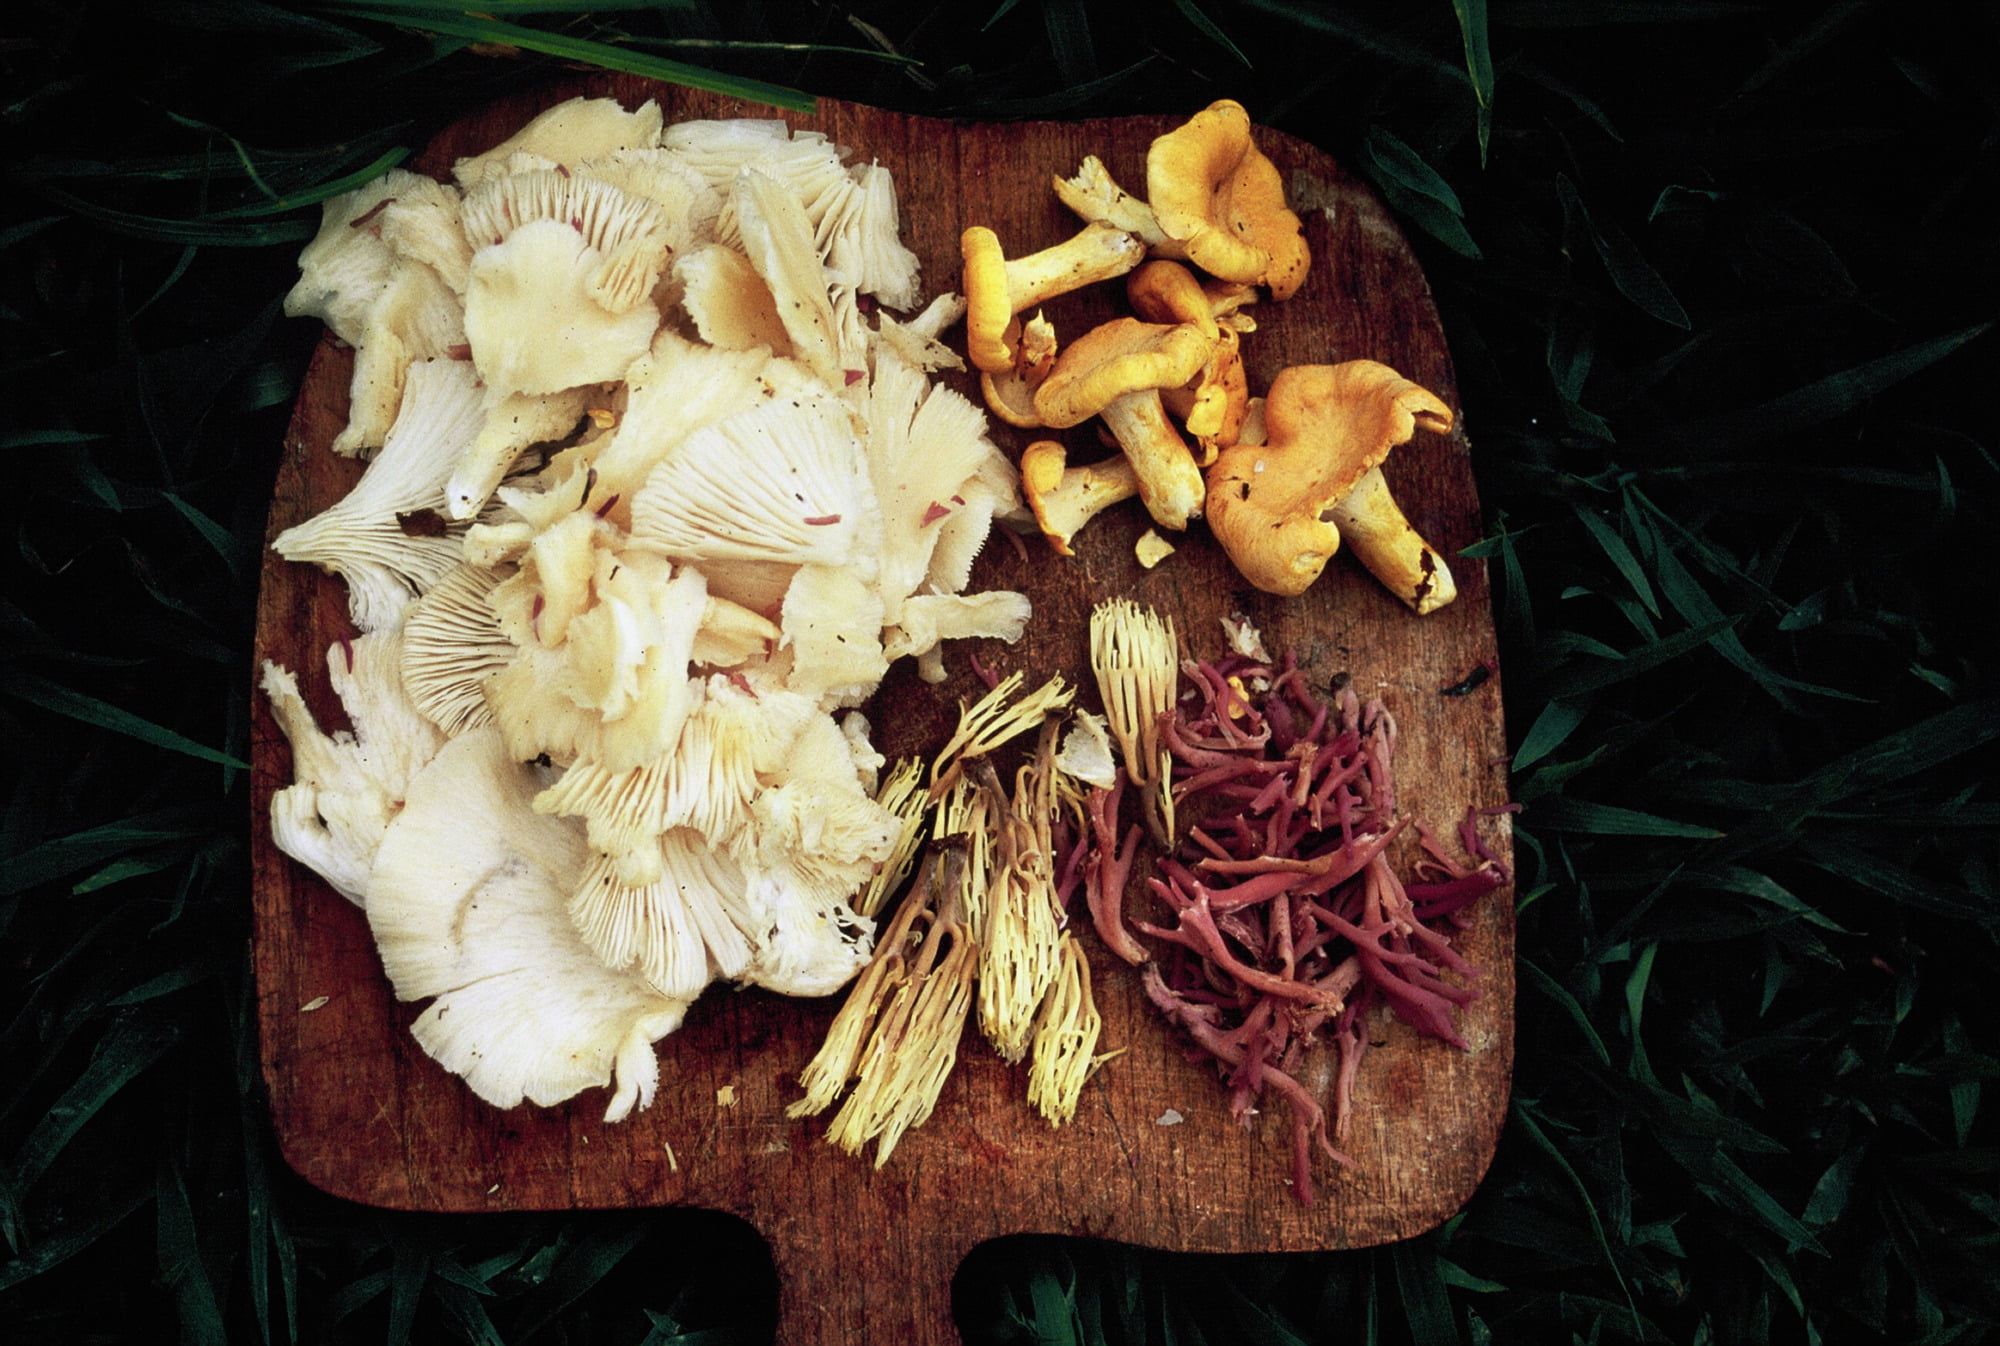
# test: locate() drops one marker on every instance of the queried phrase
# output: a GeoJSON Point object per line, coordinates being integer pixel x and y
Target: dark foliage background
{"type": "Point", "coordinates": [1717, 275]}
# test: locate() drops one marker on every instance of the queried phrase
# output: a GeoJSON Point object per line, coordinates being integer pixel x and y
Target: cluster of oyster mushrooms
{"type": "Point", "coordinates": [656, 491]}
{"type": "Point", "coordinates": [1281, 478]}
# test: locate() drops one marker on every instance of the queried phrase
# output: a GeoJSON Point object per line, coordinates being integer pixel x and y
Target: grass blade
{"type": "Point", "coordinates": [1478, 64]}
{"type": "Point", "coordinates": [1814, 403]}
{"type": "Point", "coordinates": [1560, 813]}
{"type": "Point", "coordinates": [90, 710]}
{"type": "Point", "coordinates": [1630, 272]}
{"type": "Point", "coordinates": [469, 26]}
{"type": "Point", "coordinates": [1417, 190]}
{"type": "Point", "coordinates": [131, 1047]}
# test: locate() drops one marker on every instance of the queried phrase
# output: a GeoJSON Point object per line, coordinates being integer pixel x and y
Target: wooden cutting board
{"type": "Point", "coordinates": [1152, 1157]}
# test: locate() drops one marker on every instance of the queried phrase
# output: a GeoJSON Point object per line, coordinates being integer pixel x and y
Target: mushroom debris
{"type": "Point", "coordinates": [1284, 926]}
{"type": "Point", "coordinates": [656, 491]}
{"type": "Point", "coordinates": [1212, 234]}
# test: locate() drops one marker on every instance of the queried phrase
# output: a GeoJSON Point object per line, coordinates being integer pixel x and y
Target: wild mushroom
{"type": "Point", "coordinates": [677, 388]}
{"type": "Point", "coordinates": [731, 305]}
{"type": "Point", "coordinates": [863, 242]}
{"type": "Point", "coordinates": [452, 643]}
{"type": "Point", "coordinates": [998, 287]}
{"type": "Point", "coordinates": [513, 425]}
{"type": "Point", "coordinates": [346, 266]}
{"type": "Point", "coordinates": [1065, 498]}
{"type": "Point", "coordinates": [679, 931]}
{"type": "Point", "coordinates": [468, 905]}
{"type": "Point", "coordinates": [417, 316]}
{"type": "Point", "coordinates": [388, 536]}
{"type": "Point", "coordinates": [831, 628]}
{"type": "Point", "coordinates": [1096, 197]}
{"type": "Point", "coordinates": [777, 238]}
{"type": "Point", "coordinates": [1010, 392]}
{"type": "Point", "coordinates": [347, 785]}
{"type": "Point", "coordinates": [1116, 371]}
{"type": "Point", "coordinates": [785, 481]}
{"type": "Point", "coordinates": [568, 133]}
{"type": "Point", "coordinates": [1212, 406]}
{"type": "Point", "coordinates": [532, 322]}
{"type": "Point", "coordinates": [1165, 291]}
{"type": "Point", "coordinates": [628, 230]}
{"type": "Point", "coordinates": [1277, 506]}
{"type": "Point", "coordinates": [1212, 189]}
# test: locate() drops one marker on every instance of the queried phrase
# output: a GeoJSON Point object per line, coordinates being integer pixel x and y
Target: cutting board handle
{"type": "Point", "coordinates": [845, 1280]}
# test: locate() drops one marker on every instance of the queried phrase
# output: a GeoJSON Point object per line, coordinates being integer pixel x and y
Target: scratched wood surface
{"type": "Point", "coordinates": [866, 1254]}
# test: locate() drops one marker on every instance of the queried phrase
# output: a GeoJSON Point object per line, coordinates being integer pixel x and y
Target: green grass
{"type": "Point", "coordinates": [1719, 296]}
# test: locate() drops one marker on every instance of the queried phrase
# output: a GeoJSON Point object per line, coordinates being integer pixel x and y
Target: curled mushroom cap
{"type": "Point", "coordinates": [1165, 291]}
{"type": "Point", "coordinates": [1116, 371]}
{"type": "Point", "coordinates": [1218, 194]}
{"type": "Point", "coordinates": [1328, 427]}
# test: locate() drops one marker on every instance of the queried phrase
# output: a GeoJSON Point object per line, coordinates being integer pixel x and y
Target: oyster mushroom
{"type": "Point", "coordinates": [388, 537]}
{"type": "Point", "coordinates": [347, 784]}
{"type": "Point", "coordinates": [568, 133]}
{"type": "Point", "coordinates": [468, 903]}
{"type": "Point", "coordinates": [786, 481]}
{"type": "Point", "coordinates": [531, 318]}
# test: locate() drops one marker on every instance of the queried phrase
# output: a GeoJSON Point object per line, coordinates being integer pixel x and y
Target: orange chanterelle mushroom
{"type": "Point", "coordinates": [1281, 507]}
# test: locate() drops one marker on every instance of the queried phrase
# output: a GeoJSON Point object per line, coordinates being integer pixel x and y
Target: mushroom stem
{"type": "Point", "coordinates": [1094, 253]}
{"type": "Point", "coordinates": [1170, 481]}
{"type": "Point", "coordinates": [1096, 196]}
{"type": "Point", "coordinates": [1066, 498]}
{"type": "Point", "coordinates": [1383, 539]}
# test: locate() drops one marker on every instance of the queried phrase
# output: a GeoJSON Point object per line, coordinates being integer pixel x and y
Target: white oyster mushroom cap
{"type": "Point", "coordinates": [417, 316]}
{"type": "Point", "coordinates": [785, 481]}
{"type": "Point", "coordinates": [617, 690]}
{"type": "Point", "coordinates": [993, 492]}
{"type": "Point", "coordinates": [832, 628]}
{"type": "Point", "coordinates": [348, 784]}
{"type": "Point", "coordinates": [452, 643]}
{"type": "Point", "coordinates": [916, 342]}
{"type": "Point", "coordinates": [629, 233]}
{"type": "Point", "coordinates": [386, 536]}
{"type": "Point", "coordinates": [469, 907]}
{"type": "Point", "coordinates": [514, 423]}
{"type": "Point", "coordinates": [421, 222]}
{"type": "Point", "coordinates": [733, 741]}
{"type": "Point", "coordinates": [731, 305]}
{"type": "Point", "coordinates": [679, 932]}
{"type": "Point", "coordinates": [927, 620]}
{"type": "Point", "coordinates": [864, 245]}
{"type": "Point", "coordinates": [777, 238]}
{"type": "Point", "coordinates": [925, 444]}
{"type": "Point", "coordinates": [346, 266]}
{"type": "Point", "coordinates": [677, 388]}
{"type": "Point", "coordinates": [531, 322]}
{"type": "Point", "coordinates": [569, 133]}
{"type": "Point", "coordinates": [810, 167]}
{"type": "Point", "coordinates": [686, 200]}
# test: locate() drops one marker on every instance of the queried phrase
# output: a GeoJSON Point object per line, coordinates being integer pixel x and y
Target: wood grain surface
{"type": "Point", "coordinates": [866, 1254]}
